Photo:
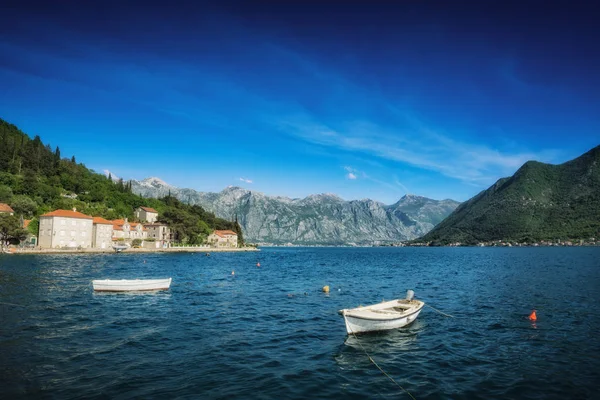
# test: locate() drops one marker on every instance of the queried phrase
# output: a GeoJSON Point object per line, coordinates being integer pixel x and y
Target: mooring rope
{"type": "Point", "coordinates": [435, 309]}
{"type": "Point", "coordinates": [12, 304]}
{"type": "Point", "coordinates": [377, 365]}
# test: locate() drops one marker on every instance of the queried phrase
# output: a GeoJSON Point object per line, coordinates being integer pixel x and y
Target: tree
{"type": "Point", "coordinates": [10, 230]}
{"type": "Point", "coordinates": [23, 205]}
{"type": "Point", "coordinates": [6, 194]}
{"type": "Point", "coordinates": [238, 229]}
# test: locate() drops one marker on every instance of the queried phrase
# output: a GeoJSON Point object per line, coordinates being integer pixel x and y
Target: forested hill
{"type": "Point", "coordinates": [539, 202]}
{"type": "Point", "coordinates": [35, 179]}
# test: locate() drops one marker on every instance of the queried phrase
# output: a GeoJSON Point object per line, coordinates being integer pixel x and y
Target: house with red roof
{"type": "Point", "coordinates": [161, 233]}
{"type": "Point", "coordinates": [146, 214]}
{"type": "Point", "coordinates": [65, 229]}
{"type": "Point", "coordinates": [102, 233]}
{"type": "Point", "coordinates": [5, 208]}
{"type": "Point", "coordinates": [223, 238]}
{"type": "Point", "coordinates": [123, 229]}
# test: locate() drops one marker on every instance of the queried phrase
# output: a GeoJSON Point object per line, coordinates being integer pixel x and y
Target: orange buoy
{"type": "Point", "coordinates": [532, 316]}
{"type": "Point", "coordinates": [326, 288]}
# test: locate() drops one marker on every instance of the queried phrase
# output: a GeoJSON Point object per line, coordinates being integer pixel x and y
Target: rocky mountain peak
{"type": "Point", "coordinates": [316, 219]}
{"type": "Point", "coordinates": [154, 182]}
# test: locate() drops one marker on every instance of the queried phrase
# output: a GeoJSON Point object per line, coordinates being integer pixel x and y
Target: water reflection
{"type": "Point", "coordinates": [387, 344]}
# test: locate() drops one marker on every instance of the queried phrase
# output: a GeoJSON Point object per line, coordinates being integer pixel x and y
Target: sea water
{"type": "Point", "coordinates": [270, 332]}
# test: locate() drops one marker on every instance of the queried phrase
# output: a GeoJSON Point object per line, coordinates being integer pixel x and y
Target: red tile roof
{"type": "Point", "coordinates": [66, 214]}
{"type": "Point", "coordinates": [26, 223]}
{"type": "Point", "coordinates": [6, 208]}
{"type": "Point", "coordinates": [224, 233]}
{"type": "Point", "coordinates": [148, 209]}
{"type": "Point", "coordinates": [100, 220]}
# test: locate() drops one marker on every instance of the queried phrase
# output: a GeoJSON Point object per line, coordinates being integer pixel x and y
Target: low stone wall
{"type": "Point", "coordinates": [131, 250]}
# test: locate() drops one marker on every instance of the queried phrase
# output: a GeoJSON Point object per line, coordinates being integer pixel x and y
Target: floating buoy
{"type": "Point", "coordinates": [532, 316]}
{"type": "Point", "coordinates": [326, 288]}
{"type": "Point", "coordinates": [258, 264]}
{"type": "Point", "coordinates": [232, 272]}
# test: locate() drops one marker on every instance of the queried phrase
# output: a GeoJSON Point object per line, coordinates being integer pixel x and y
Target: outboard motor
{"type": "Point", "coordinates": [410, 295]}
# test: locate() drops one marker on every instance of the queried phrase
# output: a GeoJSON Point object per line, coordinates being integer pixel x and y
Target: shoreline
{"type": "Point", "coordinates": [15, 251]}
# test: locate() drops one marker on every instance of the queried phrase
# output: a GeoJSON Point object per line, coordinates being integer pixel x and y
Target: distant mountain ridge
{"type": "Point", "coordinates": [539, 202]}
{"type": "Point", "coordinates": [320, 219]}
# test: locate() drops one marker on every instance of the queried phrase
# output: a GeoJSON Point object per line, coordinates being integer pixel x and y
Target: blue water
{"type": "Point", "coordinates": [270, 332]}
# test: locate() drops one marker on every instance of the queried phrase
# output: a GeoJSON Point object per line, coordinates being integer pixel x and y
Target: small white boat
{"type": "Point", "coordinates": [383, 316]}
{"type": "Point", "coordinates": [130, 285]}
{"type": "Point", "coordinates": [120, 247]}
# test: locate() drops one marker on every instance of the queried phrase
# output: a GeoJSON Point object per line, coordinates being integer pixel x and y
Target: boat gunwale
{"type": "Point", "coordinates": [123, 282]}
{"type": "Point", "coordinates": [130, 290]}
{"type": "Point", "coordinates": [383, 319]}
{"type": "Point", "coordinates": [348, 313]}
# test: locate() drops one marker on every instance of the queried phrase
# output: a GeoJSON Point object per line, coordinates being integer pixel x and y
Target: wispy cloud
{"type": "Point", "coordinates": [351, 173]}
{"type": "Point", "coordinates": [415, 144]}
{"type": "Point", "coordinates": [398, 183]}
{"type": "Point", "coordinates": [246, 180]}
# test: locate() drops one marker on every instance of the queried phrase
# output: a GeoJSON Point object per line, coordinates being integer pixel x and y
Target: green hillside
{"type": "Point", "coordinates": [539, 202]}
{"type": "Point", "coordinates": [35, 179]}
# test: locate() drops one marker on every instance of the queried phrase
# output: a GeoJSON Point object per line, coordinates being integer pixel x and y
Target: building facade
{"type": "Point", "coordinates": [226, 238]}
{"type": "Point", "coordinates": [65, 228]}
{"type": "Point", "coordinates": [102, 233]}
{"type": "Point", "coordinates": [146, 214]}
{"type": "Point", "coordinates": [123, 229]}
{"type": "Point", "coordinates": [160, 232]}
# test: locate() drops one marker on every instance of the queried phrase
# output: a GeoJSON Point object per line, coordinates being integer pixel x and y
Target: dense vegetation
{"type": "Point", "coordinates": [539, 202]}
{"type": "Point", "coordinates": [35, 179]}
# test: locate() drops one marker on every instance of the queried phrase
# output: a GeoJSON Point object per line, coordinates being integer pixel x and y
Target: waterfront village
{"type": "Point", "coordinates": [69, 230]}
{"type": "Point", "coordinates": [507, 243]}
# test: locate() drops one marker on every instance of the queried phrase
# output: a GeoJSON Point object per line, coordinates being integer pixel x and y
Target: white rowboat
{"type": "Point", "coordinates": [120, 247]}
{"type": "Point", "coordinates": [383, 316]}
{"type": "Point", "coordinates": [130, 285]}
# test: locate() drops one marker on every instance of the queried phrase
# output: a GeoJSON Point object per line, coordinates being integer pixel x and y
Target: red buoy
{"type": "Point", "coordinates": [258, 264]}
{"type": "Point", "coordinates": [532, 316]}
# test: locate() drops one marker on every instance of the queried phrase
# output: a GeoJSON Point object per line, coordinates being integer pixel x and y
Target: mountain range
{"type": "Point", "coordinates": [321, 219]}
{"type": "Point", "coordinates": [539, 202]}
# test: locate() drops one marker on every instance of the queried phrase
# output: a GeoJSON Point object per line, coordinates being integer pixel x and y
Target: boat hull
{"type": "Point", "coordinates": [361, 320]}
{"type": "Point", "coordinates": [131, 285]}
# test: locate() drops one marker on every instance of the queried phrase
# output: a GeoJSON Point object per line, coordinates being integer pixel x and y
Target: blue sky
{"type": "Point", "coordinates": [361, 99]}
